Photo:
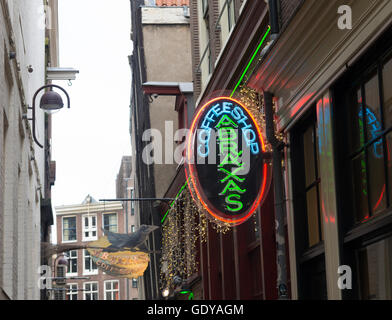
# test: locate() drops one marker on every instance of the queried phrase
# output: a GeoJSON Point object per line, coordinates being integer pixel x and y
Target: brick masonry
{"type": "Point", "coordinates": [100, 277]}
{"type": "Point", "coordinates": [195, 48]}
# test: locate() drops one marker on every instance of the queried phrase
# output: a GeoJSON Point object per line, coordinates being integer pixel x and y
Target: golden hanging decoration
{"type": "Point", "coordinates": [255, 103]}
{"type": "Point", "coordinates": [184, 225]}
{"type": "Point", "coordinates": [187, 220]}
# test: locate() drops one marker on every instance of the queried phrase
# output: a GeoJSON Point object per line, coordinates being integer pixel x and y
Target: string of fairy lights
{"type": "Point", "coordinates": [182, 228]}
{"type": "Point", "coordinates": [186, 221]}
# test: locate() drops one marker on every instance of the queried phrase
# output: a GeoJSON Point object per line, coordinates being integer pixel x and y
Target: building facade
{"type": "Point", "coordinates": [125, 190]}
{"type": "Point", "coordinates": [161, 78]}
{"type": "Point", "coordinates": [77, 225]}
{"type": "Point", "coordinates": [241, 263]}
{"type": "Point", "coordinates": [28, 45]}
{"type": "Point", "coordinates": [321, 72]}
{"type": "Point", "coordinates": [331, 87]}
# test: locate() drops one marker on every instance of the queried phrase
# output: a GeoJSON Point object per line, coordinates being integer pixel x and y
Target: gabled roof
{"type": "Point", "coordinates": [89, 199]}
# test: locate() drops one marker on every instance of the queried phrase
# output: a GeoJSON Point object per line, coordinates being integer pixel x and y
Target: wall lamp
{"type": "Point", "coordinates": [51, 102]}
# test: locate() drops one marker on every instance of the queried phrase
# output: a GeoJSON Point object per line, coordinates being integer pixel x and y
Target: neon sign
{"type": "Point", "coordinates": [225, 162]}
{"type": "Point", "coordinates": [375, 129]}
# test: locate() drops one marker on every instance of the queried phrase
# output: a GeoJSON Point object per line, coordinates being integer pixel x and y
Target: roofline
{"type": "Point", "coordinates": [167, 88]}
{"type": "Point", "coordinates": [89, 208]}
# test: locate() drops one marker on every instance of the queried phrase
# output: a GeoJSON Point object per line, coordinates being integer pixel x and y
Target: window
{"type": "Point", "coordinates": [205, 6]}
{"type": "Point", "coordinates": [72, 291]}
{"type": "Point", "coordinates": [308, 186]}
{"type": "Point", "coordinates": [69, 229]}
{"type": "Point", "coordinates": [206, 26]}
{"type": "Point", "coordinates": [230, 13]}
{"type": "Point", "coordinates": [307, 209]}
{"type": "Point", "coordinates": [134, 283]}
{"type": "Point", "coordinates": [110, 222]}
{"type": "Point", "coordinates": [132, 229]}
{"type": "Point", "coordinates": [89, 227]}
{"type": "Point", "coordinates": [364, 126]}
{"type": "Point", "coordinates": [89, 265]}
{"type": "Point", "coordinates": [208, 37]}
{"type": "Point", "coordinates": [112, 290]}
{"type": "Point", "coordinates": [367, 150]}
{"type": "Point", "coordinates": [312, 186]}
{"type": "Point", "coordinates": [72, 262]}
{"type": "Point", "coordinates": [91, 291]}
{"type": "Point", "coordinates": [132, 204]}
{"type": "Point", "coordinates": [376, 277]}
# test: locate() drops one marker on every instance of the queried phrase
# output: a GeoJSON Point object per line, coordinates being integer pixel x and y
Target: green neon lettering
{"type": "Point", "coordinates": [226, 121]}
{"type": "Point", "coordinates": [231, 159]}
{"type": "Point", "coordinates": [228, 147]}
{"type": "Point", "coordinates": [227, 134]}
{"type": "Point", "coordinates": [230, 175]}
{"type": "Point", "coordinates": [239, 204]}
{"type": "Point", "coordinates": [232, 187]}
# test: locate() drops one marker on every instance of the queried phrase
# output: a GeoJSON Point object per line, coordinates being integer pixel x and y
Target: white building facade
{"type": "Point", "coordinates": [25, 45]}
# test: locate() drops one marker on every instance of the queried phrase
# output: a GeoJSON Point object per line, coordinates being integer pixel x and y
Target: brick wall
{"type": "Point", "coordinates": [214, 32]}
{"type": "Point", "coordinates": [100, 277]}
{"type": "Point", "coordinates": [195, 48]}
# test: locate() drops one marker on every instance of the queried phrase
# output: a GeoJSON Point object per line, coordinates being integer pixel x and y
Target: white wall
{"type": "Point", "coordinates": [22, 178]}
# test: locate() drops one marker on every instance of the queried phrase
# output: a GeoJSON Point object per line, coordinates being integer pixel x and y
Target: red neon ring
{"type": "Point", "coordinates": [265, 169]}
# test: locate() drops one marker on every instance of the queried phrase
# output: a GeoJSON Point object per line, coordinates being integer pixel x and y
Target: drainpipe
{"type": "Point", "coordinates": [280, 208]}
{"type": "Point", "coordinates": [274, 18]}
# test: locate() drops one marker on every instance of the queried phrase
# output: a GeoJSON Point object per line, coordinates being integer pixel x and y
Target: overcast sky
{"type": "Point", "coordinates": [90, 139]}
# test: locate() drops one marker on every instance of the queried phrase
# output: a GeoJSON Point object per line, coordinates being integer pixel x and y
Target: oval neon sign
{"type": "Point", "coordinates": [225, 162]}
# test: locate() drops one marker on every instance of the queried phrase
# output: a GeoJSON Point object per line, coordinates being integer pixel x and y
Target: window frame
{"type": "Point", "coordinates": [356, 236]}
{"type": "Point", "coordinates": [375, 71]}
{"type": "Point", "coordinates": [112, 291]}
{"type": "Point", "coordinates": [307, 257]}
{"type": "Point", "coordinates": [91, 291]}
{"type": "Point", "coordinates": [72, 293]}
{"type": "Point", "coordinates": [89, 271]}
{"type": "Point", "coordinates": [69, 262]}
{"type": "Point", "coordinates": [301, 188]}
{"type": "Point", "coordinates": [108, 214]}
{"type": "Point", "coordinates": [231, 11]}
{"type": "Point", "coordinates": [62, 229]}
{"type": "Point", "coordinates": [352, 229]}
{"type": "Point", "coordinates": [204, 7]}
{"type": "Point", "coordinates": [90, 228]}
{"type": "Point", "coordinates": [135, 281]}
{"type": "Point", "coordinates": [132, 205]}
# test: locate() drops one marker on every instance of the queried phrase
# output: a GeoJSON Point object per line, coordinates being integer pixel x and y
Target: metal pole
{"type": "Point", "coordinates": [274, 18]}
{"type": "Point", "coordinates": [33, 108]}
{"type": "Point", "coordinates": [280, 208]}
{"type": "Point", "coordinates": [138, 199]}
